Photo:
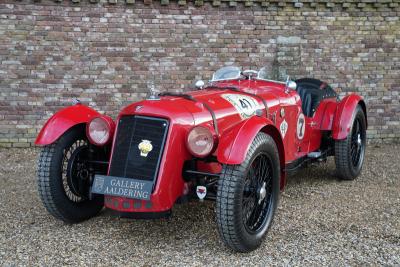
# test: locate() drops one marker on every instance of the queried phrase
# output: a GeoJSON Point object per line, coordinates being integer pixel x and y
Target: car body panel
{"type": "Point", "coordinates": [344, 115]}
{"type": "Point", "coordinates": [235, 142]}
{"type": "Point", "coordinates": [63, 120]}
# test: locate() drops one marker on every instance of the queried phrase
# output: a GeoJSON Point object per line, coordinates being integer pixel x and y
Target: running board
{"type": "Point", "coordinates": [316, 156]}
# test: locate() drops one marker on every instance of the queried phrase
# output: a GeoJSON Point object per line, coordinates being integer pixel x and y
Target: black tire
{"type": "Point", "coordinates": [56, 189]}
{"type": "Point", "coordinates": [350, 152]}
{"type": "Point", "coordinates": [235, 195]}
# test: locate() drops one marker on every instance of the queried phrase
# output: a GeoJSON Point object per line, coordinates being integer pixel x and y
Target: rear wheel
{"type": "Point", "coordinates": [350, 152]}
{"type": "Point", "coordinates": [64, 178]}
{"type": "Point", "coordinates": [248, 195]}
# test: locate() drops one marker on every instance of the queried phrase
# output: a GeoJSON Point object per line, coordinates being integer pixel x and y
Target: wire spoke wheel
{"type": "Point", "coordinates": [75, 172]}
{"type": "Point", "coordinates": [248, 195]}
{"type": "Point", "coordinates": [255, 204]}
{"type": "Point", "coordinates": [357, 144]}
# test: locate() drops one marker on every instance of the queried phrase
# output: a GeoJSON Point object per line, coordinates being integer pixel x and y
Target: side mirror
{"type": "Point", "coordinates": [199, 84]}
{"type": "Point", "coordinates": [291, 85]}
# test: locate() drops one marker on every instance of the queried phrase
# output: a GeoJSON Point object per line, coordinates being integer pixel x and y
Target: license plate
{"type": "Point", "coordinates": [122, 187]}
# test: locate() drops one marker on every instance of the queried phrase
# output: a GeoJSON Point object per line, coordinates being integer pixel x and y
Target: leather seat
{"type": "Point", "coordinates": [312, 92]}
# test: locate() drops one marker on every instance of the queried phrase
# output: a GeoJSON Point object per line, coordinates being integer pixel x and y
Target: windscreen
{"type": "Point", "coordinates": [226, 73]}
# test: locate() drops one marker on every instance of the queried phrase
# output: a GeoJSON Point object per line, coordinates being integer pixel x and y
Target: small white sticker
{"type": "Point", "coordinates": [301, 126]}
{"type": "Point", "coordinates": [283, 128]}
{"type": "Point", "coordinates": [201, 191]}
{"type": "Point", "coordinates": [245, 105]}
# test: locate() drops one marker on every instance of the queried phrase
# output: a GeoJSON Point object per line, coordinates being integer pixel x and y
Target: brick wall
{"type": "Point", "coordinates": [108, 55]}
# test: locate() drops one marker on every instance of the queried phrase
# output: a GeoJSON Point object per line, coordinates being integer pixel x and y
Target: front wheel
{"type": "Point", "coordinates": [64, 178]}
{"type": "Point", "coordinates": [248, 195]}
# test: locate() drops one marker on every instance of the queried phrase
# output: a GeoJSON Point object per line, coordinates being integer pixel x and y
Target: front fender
{"type": "Point", "coordinates": [344, 115]}
{"type": "Point", "coordinates": [63, 120]}
{"type": "Point", "coordinates": [235, 142]}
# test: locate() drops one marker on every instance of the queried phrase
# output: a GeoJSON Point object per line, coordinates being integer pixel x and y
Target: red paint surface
{"type": "Point", "coordinates": [344, 114]}
{"type": "Point", "coordinates": [64, 120]}
{"type": "Point", "coordinates": [236, 141]}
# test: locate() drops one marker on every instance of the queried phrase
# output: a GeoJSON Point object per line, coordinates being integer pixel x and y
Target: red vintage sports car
{"type": "Point", "coordinates": [232, 140]}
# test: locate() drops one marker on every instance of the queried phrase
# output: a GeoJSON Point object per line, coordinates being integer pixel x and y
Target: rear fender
{"type": "Point", "coordinates": [235, 142]}
{"type": "Point", "coordinates": [344, 115]}
{"type": "Point", "coordinates": [63, 120]}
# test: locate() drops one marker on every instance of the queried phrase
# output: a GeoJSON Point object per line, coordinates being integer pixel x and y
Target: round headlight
{"type": "Point", "coordinates": [200, 141]}
{"type": "Point", "coordinates": [99, 131]}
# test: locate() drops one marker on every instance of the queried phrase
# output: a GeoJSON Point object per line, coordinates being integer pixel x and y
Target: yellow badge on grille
{"type": "Point", "coordinates": [145, 147]}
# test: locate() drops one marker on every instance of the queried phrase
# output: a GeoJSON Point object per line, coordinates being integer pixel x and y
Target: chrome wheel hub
{"type": "Point", "coordinates": [262, 193]}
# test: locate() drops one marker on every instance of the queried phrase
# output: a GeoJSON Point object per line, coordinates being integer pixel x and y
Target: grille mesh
{"type": "Point", "coordinates": [126, 159]}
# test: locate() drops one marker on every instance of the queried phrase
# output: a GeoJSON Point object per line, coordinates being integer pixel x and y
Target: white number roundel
{"type": "Point", "coordinates": [245, 105]}
{"type": "Point", "coordinates": [301, 126]}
